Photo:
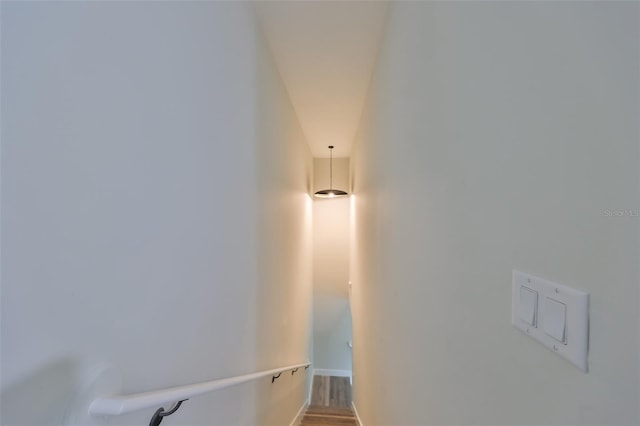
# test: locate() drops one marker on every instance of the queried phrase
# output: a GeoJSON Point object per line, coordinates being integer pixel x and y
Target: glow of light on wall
{"type": "Point", "coordinates": [352, 242]}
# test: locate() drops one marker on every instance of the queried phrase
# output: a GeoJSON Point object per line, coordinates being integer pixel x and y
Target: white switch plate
{"type": "Point", "coordinates": [576, 331]}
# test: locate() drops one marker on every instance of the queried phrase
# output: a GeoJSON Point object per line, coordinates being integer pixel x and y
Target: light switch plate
{"type": "Point", "coordinates": [551, 297]}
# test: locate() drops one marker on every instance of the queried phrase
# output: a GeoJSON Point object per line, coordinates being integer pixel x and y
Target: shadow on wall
{"type": "Point", "coordinates": [41, 398]}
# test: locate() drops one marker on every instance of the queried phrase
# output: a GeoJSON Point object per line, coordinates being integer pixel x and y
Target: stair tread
{"type": "Point", "coordinates": [337, 411]}
{"type": "Point", "coordinates": [328, 416]}
{"type": "Point", "coordinates": [304, 423]}
{"type": "Point", "coordinates": [325, 422]}
{"type": "Point", "coordinates": [341, 416]}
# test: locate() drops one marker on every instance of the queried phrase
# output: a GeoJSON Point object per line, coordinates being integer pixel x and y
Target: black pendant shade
{"type": "Point", "coordinates": [330, 193]}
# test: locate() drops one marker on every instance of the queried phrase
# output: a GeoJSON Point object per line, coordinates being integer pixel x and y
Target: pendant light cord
{"type": "Point", "coordinates": [328, 193]}
{"type": "Point", "coordinates": [330, 167]}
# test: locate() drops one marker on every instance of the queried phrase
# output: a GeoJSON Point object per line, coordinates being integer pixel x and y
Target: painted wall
{"type": "Point", "coordinates": [139, 141]}
{"type": "Point", "coordinates": [496, 136]}
{"type": "Point", "coordinates": [331, 351]}
{"type": "Point", "coordinates": [331, 313]}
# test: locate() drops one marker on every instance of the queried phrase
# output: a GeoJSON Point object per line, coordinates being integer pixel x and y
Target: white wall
{"type": "Point", "coordinates": [138, 140]}
{"type": "Point", "coordinates": [331, 351]}
{"type": "Point", "coordinates": [496, 136]}
{"type": "Point", "coordinates": [331, 313]}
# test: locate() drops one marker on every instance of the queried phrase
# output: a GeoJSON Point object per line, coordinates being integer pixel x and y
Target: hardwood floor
{"type": "Point", "coordinates": [330, 391]}
{"type": "Point", "coordinates": [330, 403]}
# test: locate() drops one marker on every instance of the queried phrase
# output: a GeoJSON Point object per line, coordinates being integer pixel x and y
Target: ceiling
{"type": "Point", "coordinates": [325, 52]}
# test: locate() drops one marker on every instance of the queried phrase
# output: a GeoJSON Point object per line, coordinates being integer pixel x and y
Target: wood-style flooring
{"type": "Point", "coordinates": [327, 416]}
{"type": "Point", "coordinates": [330, 403]}
{"type": "Point", "coordinates": [331, 391]}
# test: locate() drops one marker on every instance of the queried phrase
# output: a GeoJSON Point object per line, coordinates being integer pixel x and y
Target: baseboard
{"type": "Point", "coordinates": [327, 372]}
{"type": "Point", "coordinates": [355, 411]}
{"type": "Point", "coordinates": [298, 418]}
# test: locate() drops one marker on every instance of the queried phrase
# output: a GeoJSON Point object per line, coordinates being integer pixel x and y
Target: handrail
{"type": "Point", "coordinates": [122, 404]}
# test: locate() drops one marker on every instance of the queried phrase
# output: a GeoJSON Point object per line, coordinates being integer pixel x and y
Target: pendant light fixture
{"type": "Point", "coordinates": [330, 193]}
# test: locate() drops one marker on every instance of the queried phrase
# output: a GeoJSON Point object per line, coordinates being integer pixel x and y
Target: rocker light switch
{"type": "Point", "coordinates": [528, 307]}
{"type": "Point", "coordinates": [555, 319]}
{"type": "Point", "coordinates": [552, 314]}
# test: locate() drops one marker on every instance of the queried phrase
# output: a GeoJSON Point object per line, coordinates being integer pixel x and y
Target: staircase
{"type": "Point", "coordinates": [323, 416]}
{"type": "Point", "coordinates": [330, 403]}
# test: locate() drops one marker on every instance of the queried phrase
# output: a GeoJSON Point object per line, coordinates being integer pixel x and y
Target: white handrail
{"type": "Point", "coordinates": [122, 404]}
